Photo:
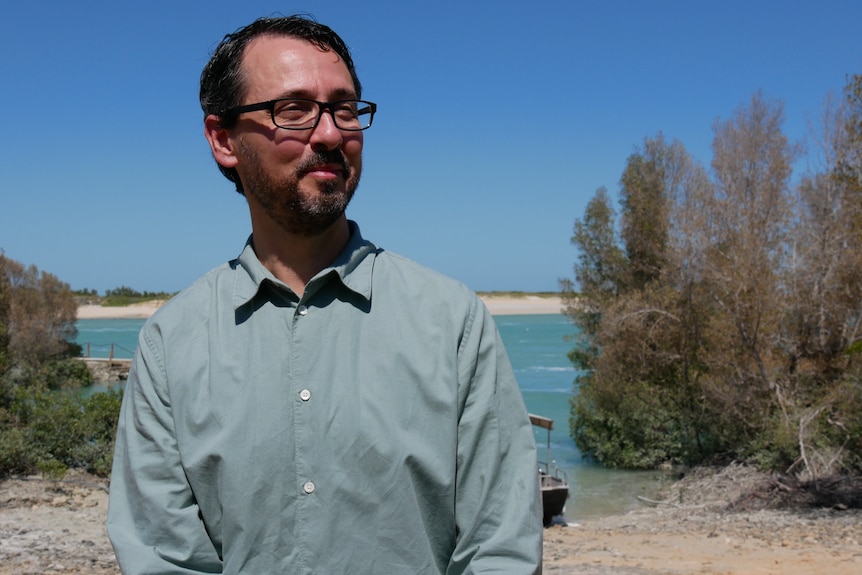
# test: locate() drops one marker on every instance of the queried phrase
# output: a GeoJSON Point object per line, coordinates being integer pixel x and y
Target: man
{"type": "Point", "coordinates": [318, 405]}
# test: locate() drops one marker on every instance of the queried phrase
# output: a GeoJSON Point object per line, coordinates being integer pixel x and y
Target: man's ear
{"type": "Point", "coordinates": [220, 142]}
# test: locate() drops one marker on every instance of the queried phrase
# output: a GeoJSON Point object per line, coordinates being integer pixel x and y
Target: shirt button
{"type": "Point", "coordinates": [304, 395]}
{"type": "Point", "coordinates": [308, 487]}
{"type": "Point", "coordinates": [302, 310]}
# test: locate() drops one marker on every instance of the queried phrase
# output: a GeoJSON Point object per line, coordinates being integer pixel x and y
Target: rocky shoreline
{"type": "Point", "coordinates": [108, 371]}
{"type": "Point", "coordinates": [732, 520]}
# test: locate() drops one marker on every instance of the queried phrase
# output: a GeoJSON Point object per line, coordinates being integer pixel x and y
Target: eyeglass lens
{"type": "Point", "coordinates": [296, 113]}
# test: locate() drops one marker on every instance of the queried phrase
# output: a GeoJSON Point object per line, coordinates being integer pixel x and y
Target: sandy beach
{"type": "Point", "coordinates": [142, 310]}
{"type": "Point", "coordinates": [526, 304]}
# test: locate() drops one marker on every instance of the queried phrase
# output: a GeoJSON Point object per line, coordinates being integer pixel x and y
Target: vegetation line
{"type": "Point", "coordinates": [720, 311]}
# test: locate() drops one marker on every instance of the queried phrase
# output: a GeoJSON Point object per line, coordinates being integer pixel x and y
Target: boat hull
{"type": "Point", "coordinates": [555, 492]}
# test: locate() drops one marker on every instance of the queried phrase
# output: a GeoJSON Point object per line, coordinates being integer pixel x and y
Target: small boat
{"type": "Point", "coordinates": [553, 480]}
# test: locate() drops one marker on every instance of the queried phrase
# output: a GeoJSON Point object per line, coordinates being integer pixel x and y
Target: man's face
{"type": "Point", "coordinates": [302, 180]}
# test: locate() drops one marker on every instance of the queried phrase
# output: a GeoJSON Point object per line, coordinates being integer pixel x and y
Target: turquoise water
{"type": "Point", "coordinates": [98, 336]}
{"type": "Point", "coordinates": [537, 348]}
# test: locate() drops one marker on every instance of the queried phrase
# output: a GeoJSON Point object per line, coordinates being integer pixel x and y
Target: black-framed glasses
{"type": "Point", "coordinates": [304, 114]}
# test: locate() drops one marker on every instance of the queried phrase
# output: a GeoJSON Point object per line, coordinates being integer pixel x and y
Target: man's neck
{"type": "Point", "coordinates": [295, 259]}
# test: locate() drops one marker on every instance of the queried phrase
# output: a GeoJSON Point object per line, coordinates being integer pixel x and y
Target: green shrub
{"type": "Point", "coordinates": [101, 411]}
{"type": "Point", "coordinates": [45, 425]}
{"type": "Point", "coordinates": [67, 373]}
{"type": "Point", "coordinates": [632, 430]}
{"type": "Point", "coordinates": [51, 468]}
{"type": "Point", "coordinates": [15, 458]}
{"type": "Point", "coordinates": [52, 431]}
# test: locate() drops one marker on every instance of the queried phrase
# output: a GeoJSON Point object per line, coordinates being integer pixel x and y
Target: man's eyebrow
{"type": "Point", "coordinates": [345, 94]}
{"type": "Point", "coordinates": [338, 94]}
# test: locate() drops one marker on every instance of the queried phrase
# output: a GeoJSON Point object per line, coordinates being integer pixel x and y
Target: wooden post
{"type": "Point", "coordinates": [111, 356]}
{"type": "Point", "coordinates": [548, 424]}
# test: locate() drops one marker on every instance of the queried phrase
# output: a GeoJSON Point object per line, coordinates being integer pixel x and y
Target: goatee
{"type": "Point", "coordinates": [297, 212]}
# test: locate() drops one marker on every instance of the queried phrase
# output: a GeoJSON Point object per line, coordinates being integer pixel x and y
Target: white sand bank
{"type": "Point", "coordinates": [142, 310]}
{"type": "Point", "coordinates": [498, 305]}
{"type": "Point", "coordinates": [523, 305]}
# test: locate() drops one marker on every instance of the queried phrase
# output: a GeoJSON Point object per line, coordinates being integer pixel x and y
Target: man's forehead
{"type": "Point", "coordinates": [269, 48]}
{"type": "Point", "coordinates": [278, 66]}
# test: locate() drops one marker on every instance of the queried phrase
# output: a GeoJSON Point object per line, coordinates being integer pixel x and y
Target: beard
{"type": "Point", "coordinates": [297, 212]}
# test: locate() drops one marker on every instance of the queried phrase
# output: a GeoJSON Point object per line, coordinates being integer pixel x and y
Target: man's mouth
{"type": "Point", "coordinates": [326, 171]}
{"type": "Point", "coordinates": [329, 165]}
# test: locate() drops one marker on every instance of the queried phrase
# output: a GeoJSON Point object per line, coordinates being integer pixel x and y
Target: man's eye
{"type": "Point", "coordinates": [294, 109]}
{"type": "Point", "coordinates": [346, 111]}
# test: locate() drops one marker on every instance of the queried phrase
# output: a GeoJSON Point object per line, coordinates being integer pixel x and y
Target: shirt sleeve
{"type": "Point", "coordinates": [498, 501]}
{"type": "Point", "coordinates": [153, 518]}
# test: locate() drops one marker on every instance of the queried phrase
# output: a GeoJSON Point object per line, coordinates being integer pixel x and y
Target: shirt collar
{"type": "Point", "coordinates": [353, 267]}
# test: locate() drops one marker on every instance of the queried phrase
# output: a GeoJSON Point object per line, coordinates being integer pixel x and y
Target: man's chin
{"type": "Point", "coordinates": [313, 223]}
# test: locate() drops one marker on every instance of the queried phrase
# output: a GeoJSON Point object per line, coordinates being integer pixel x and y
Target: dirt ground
{"type": "Point", "coordinates": [49, 527]}
{"type": "Point", "coordinates": [716, 522]}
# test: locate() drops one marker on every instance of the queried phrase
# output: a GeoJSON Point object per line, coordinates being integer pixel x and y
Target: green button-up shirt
{"type": "Point", "coordinates": [373, 425]}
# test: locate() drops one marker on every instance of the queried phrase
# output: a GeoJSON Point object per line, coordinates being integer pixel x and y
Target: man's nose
{"type": "Point", "coordinates": [326, 134]}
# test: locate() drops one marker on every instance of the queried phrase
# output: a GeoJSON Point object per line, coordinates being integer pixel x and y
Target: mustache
{"type": "Point", "coordinates": [328, 157]}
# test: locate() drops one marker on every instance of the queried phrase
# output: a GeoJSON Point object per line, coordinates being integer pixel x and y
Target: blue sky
{"type": "Point", "coordinates": [497, 121]}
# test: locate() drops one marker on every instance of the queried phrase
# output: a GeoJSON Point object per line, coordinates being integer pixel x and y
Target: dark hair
{"type": "Point", "coordinates": [222, 82]}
